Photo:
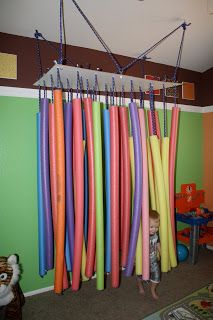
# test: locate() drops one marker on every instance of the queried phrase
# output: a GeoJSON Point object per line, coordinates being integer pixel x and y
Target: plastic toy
{"type": "Point", "coordinates": [182, 252]}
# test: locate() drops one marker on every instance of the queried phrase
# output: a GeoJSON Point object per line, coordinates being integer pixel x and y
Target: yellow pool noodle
{"type": "Point", "coordinates": [162, 202]}
{"type": "Point", "coordinates": [151, 178]}
{"type": "Point", "coordinates": [138, 258]}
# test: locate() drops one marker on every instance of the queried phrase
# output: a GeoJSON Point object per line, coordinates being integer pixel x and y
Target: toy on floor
{"type": "Point", "coordinates": [182, 252]}
{"type": "Point", "coordinates": [11, 295]}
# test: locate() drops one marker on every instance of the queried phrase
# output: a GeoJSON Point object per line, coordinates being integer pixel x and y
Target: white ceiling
{"type": "Point", "coordinates": [128, 27]}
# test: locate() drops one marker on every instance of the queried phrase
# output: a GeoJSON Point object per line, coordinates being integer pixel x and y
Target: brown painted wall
{"type": "Point", "coordinates": [207, 88]}
{"type": "Point", "coordinates": [208, 159]}
{"type": "Point", "coordinates": [28, 69]}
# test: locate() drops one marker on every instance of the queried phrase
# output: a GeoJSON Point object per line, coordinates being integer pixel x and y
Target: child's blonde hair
{"type": "Point", "coordinates": [153, 214]}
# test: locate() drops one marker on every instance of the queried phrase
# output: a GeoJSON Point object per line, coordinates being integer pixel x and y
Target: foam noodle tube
{"type": "Point", "coordinates": [106, 126]}
{"type": "Point", "coordinates": [67, 253]}
{"type": "Point", "coordinates": [41, 220]}
{"type": "Point", "coordinates": [45, 179]}
{"type": "Point", "coordinates": [157, 124]}
{"type": "Point", "coordinates": [60, 169]}
{"type": "Point", "coordinates": [91, 177]}
{"type": "Point", "coordinates": [123, 117]}
{"type": "Point", "coordinates": [151, 177]}
{"type": "Point", "coordinates": [68, 125]}
{"type": "Point", "coordinates": [86, 188]}
{"type": "Point", "coordinates": [138, 187]}
{"type": "Point", "coordinates": [53, 179]}
{"type": "Point", "coordinates": [132, 163]}
{"type": "Point", "coordinates": [172, 158]}
{"type": "Point", "coordinates": [149, 119]}
{"type": "Point", "coordinates": [98, 195]}
{"type": "Point", "coordinates": [145, 196]}
{"type": "Point", "coordinates": [121, 198]}
{"type": "Point", "coordinates": [138, 258]}
{"type": "Point", "coordinates": [83, 262]}
{"type": "Point", "coordinates": [114, 186]}
{"type": "Point", "coordinates": [162, 202]}
{"type": "Point", "coordinates": [165, 163]}
{"type": "Point", "coordinates": [78, 165]}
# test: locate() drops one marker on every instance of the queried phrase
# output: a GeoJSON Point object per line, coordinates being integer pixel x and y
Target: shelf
{"type": "Point", "coordinates": [103, 79]}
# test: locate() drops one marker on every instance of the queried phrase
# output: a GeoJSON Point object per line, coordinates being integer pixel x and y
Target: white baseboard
{"type": "Point", "coordinates": [42, 290]}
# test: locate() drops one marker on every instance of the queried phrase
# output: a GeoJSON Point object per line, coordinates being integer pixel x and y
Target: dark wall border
{"type": "Point", "coordinates": [28, 69]}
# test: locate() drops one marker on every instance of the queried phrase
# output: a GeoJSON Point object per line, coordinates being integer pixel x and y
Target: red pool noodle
{"type": "Point", "coordinates": [78, 164]}
{"type": "Point", "coordinates": [53, 179]}
{"type": "Point", "coordinates": [149, 118]}
{"type": "Point", "coordinates": [157, 124]}
{"type": "Point", "coordinates": [172, 158]}
{"type": "Point", "coordinates": [60, 167]}
{"type": "Point", "coordinates": [114, 186]}
{"type": "Point", "coordinates": [92, 220]}
{"type": "Point", "coordinates": [126, 203]}
{"type": "Point", "coordinates": [121, 190]}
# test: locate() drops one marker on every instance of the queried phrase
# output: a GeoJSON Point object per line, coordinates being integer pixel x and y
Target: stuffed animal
{"type": "Point", "coordinates": [11, 295]}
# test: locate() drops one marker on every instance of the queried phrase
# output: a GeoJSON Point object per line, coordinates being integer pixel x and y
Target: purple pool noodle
{"type": "Point", "coordinates": [45, 178]}
{"type": "Point", "coordinates": [69, 177]}
{"type": "Point", "coordinates": [138, 188]}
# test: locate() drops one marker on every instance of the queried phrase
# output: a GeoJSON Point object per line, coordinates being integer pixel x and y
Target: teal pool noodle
{"type": "Point", "coordinates": [41, 219]}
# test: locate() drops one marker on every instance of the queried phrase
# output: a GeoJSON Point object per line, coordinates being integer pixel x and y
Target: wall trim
{"type": "Point", "coordinates": [207, 109]}
{"type": "Point", "coordinates": [33, 93]}
{"type": "Point", "coordinates": [42, 290]}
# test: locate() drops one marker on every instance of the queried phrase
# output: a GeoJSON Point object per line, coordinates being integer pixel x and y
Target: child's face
{"type": "Point", "coordinates": [153, 226]}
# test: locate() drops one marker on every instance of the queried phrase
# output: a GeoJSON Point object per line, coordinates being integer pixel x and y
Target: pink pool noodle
{"type": "Point", "coordinates": [172, 158]}
{"type": "Point", "coordinates": [114, 186]}
{"type": "Point", "coordinates": [123, 116]}
{"type": "Point", "coordinates": [78, 165]}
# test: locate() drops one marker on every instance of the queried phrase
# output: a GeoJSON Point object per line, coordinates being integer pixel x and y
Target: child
{"type": "Point", "coordinates": [154, 254]}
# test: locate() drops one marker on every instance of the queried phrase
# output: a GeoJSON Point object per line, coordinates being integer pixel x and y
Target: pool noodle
{"type": "Point", "coordinates": [123, 115]}
{"type": "Point", "coordinates": [145, 197]}
{"type": "Point", "coordinates": [86, 189]}
{"type": "Point", "coordinates": [138, 256]}
{"type": "Point", "coordinates": [114, 187]}
{"type": "Point", "coordinates": [78, 165]}
{"type": "Point", "coordinates": [68, 126]}
{"type": "Point", "coordinates": [53, 179]}
{"type": "Point", "coordinates": [91, 176]}
{"type": "Point", "coordinates": [151, 177]}
{"type": "Point", "coordinates": [46, 184]}
{"type": "Point", "coordinates": [172, 158]}
{"type": "Point", "coordinates": [53, 182]}
{"type": "Point", "coordinates": [121, 190]}
{"type": "Point", "coordinates": [98, 195]}
{"type": "Point", "coordinates": [165, 163]}
{"type": "Point", "coordinates": [132, 161]}
{"type": "Point", "coordinates": [149, 116]}
{"type": "Point", "coordinates": [106, 125]}
{"type": "Point", "coordinates": [138, 188]}
{"type": "Point", "coordinates": [60, 167]}
{"type": "Point", "coordinates": [67, 253]}
{"type": "Point", "coordinates": [41, 220]}
{"type": "Point", "coordinates": [162, 202]}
